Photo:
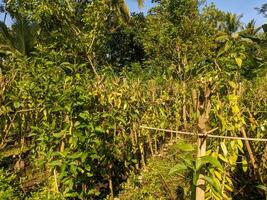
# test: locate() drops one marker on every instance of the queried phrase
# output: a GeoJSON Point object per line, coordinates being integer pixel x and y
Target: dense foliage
{"type": "Point", "coordinates": [79, 78]}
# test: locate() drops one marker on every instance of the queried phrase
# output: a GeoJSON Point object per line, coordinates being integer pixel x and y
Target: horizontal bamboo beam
{"type": "Point", "coordinates": [207, 134]}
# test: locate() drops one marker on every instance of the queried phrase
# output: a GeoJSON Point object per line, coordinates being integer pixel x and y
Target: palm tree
{"type": "Point", "coordinates": [232, 23]}
{"type": "Point", "coordinates": [250, 29]}
{"type": "Point", "coordinates": [21, 37]}
{"type": "Point", "coordinates": [121, 7]}
{"type": "Point", "coordinates": [263, 10]}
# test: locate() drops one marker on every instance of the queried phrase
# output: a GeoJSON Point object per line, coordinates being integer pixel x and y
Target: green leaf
{"type": "Point", "coordinates": [162, 112]}
{"type": "Point", "coordinates": [178, 168]}
{"type": "Point", "coordinates": [121, 120]}
{"type": "Point", "coordinates": [72, 194]}
{"type": "Point", "coordinates": [232, 84]}
{"type": "Point", "coordinates": [185, 147]}
{"type": "Point", "coordinates": [214, 183]}
{"type": "Point", "coordinates": [99, 129]}
{"type": "Point", "coordinates": [226, 47]}
{"type": "Point", "coordinates": [208, 159]}
{"type": "Point", "coordinates": [60, 134]}
{"type": "Point", "coordinates": [75, 155]}
{"type": "Point", "coordinates": [222, 38]}
{"type": "Point", "coordinates": [244, 164]}
{"type": "Point", "coordinates": [189, 161]}
{"type": "Point", "coordinates": [84, 115]}
{"type": "Point", "coordinates": [17, 104]}
{"type": "Point", "coordinates": [56, 163]}
{"type": "Point", "coordinates": [14, 151]}
{"type": "Point", "coordinates": [223, 158]}
{"type": "Point", "coordinates": [88, 168]}
{"type": "Point", "coordinates": [73, 169]}
{"type": "Point", "coordinates": [262, 187]}
{"type": "Point", "coordinates": [84, 156]}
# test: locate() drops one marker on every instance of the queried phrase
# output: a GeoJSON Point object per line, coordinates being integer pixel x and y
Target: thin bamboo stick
{"type": "Point", "coordinates": [206, 134]}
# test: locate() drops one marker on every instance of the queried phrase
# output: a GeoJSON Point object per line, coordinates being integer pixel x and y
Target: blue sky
{"type": "Point", "coordinates": [245, 7]}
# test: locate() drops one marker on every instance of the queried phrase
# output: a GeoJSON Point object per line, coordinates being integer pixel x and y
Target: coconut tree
{"type": "Point", "coordinates": [251, 28]}
{"type": "Point", "coordinates": [121, 7]}
{"type": "Point", "coordinates": [20, 37]}
{"type": "Point", "coordinates": [263, 10]}
{"type": "Point", "coordinates": [232, 23]}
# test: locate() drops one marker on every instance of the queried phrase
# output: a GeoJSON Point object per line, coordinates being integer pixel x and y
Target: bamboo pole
{"type": "Point", "coordinates": [207, 135]}
{"type": "Point", "coordinates": [150, 144]}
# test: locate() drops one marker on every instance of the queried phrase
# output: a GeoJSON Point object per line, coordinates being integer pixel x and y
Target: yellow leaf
{"type": "Point", "coordinates": [229, 180]}
{"type": "Point", "coordinates": [244, 165]}
{"type": "Point", "coordinates": [238, 61]}
{"type": "Point", "coordinates": [228, 188]}
{"type": "Point", "coordinates": [218, 175]}
{"type": "Point", "coordinates": [232, 159]}
{"type": "Point", "coordinates": [240, 145]}
{"type": "Point", "coordinates": [235, 109]}
{"type": "Point", "coordinates": [125, 106]}
{"type": "Point", "coordinates": [224, 149]}
{"type": "Point", "coordinates": [223, 158]}
{"type": "Point", "coordinates": [232, 84]}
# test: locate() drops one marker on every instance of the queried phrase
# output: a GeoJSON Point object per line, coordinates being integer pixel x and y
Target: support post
{"type": "Point", "coordinates": [201, 151]}
{"type": "Point", "coordinates": [203, 120]}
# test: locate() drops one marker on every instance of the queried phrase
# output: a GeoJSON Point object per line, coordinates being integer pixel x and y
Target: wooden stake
{"type": "Point", "coordinates": [201, 151]}
{"type": "Point", "coordinates": [184, 107]}
{"type": "Point", "coordinates": [111, 188]}
{"type": "Point", "coordinates": [203, 119]}
{"type": "Point", "coordinates": [141, 148]}
{"type": "Point", "coordinates": [156, 145]}
{"type": "Point", "coordinates": [150, 144]}
{"type": "Point", "coordinates": [55, 181]}
{"type": "Point", "coordinates": [251, 156]}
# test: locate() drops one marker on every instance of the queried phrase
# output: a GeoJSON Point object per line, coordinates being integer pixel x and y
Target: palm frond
{"type": "Point", "coordinates": [5, 33]}
{"type": "Point", "coordinates": [140, 3]}
{"type": "Point", "coordinates": [6, 50]}
{"type": "Point", "coordinates": [20, 37]}
{"type": "Point", "coordinates": [264, 27]}
{"type": "Point", "coordinates": [124, 10]}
